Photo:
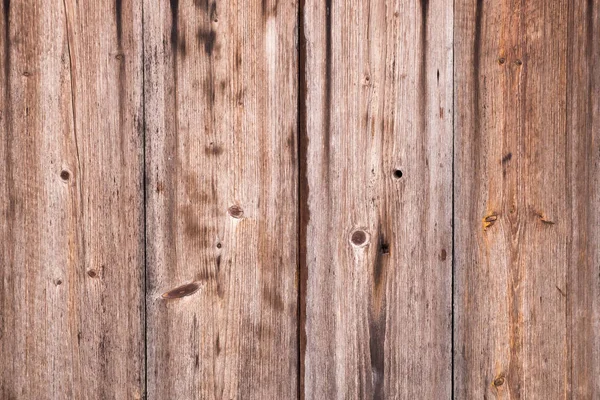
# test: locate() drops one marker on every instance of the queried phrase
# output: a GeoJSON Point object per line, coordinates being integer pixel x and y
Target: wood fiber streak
{"type": "Point", "coordinates": [378, 238]}
{"type": "Point", "coordinates": [527, 158]}
{"type": "Point", "coordinates": [71, 223]}
{"type": "Point", "coordinates": [221, 167]}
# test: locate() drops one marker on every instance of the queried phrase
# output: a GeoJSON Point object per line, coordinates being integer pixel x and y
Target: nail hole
{"type": "Point", "coordinates": [91, 273]}
{"type": "Point", "coordinates": [64, 175]}
{"type": "Point", "coordinates": [58, 282]}
{"type": "Point", "coordinates": [359, 238]}
{"type": "Point", "coordinates": [498, 381]}
{"type": "Point", "coordinates": [236, 211]}
{"type": "Point", "coordinates": [385, 248]}
{"type": "Point", "coordinates": [219, 245]}
{"type": "Point", "coordinates": [519, 62]}
{"type": "Point", "coordinates": [501, 60]}
{"type": "Point", "coordinates": [397, 174]}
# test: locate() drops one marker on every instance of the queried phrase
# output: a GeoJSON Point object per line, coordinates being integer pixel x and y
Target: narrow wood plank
{"type": "Point", "coordinates": [379, 199]}
{"type": "Point", "coordinates": [582, 163]}
{"type": "Point", "coordinates": [71, 255]}
{"type": "Point", "coordinates": [220, 90]}
{"type": "Point", "coordinates": [526, 159]}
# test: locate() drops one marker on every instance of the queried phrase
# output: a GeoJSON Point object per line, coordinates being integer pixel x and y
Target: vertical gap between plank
{"type": "Point", "coordinates": [302, 197]}
{"type": "Point", "coordinates": [453, 289]}
{"type": "Point", "coordinates": [145, 222]}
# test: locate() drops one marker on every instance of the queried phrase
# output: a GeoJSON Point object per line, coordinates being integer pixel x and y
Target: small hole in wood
{"type": "Point", "coordinates": [501, 60]}
{"type": "Point", "coordinates": [91, 273]}
{"type": "Point", "coordinates": [498, 381]}
{"type": "Point", "coordinates": [65, 175]}
{"type": "Point", "coordinates": [359, 238]}
{"type": "Point", "coordinates": [385, 248]}
{"type": "Point", "coordinates": [219, 245]}
{"type": "Point", "coordinates": [519, 62]}
{"type": "Point", "coordinates": [397, 174]}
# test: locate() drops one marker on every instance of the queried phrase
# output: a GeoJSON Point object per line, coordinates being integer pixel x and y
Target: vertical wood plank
{"type": "Point", "coordinates": [71, 255]}
{"type": "Point", "coordinates": [378, 189]}
{"type": "Point", "coordinates": [526, 160]}
{"type": "Point", "coordinates": [582, 162]}
{"type": "Point", "coordinates": [220, 90]}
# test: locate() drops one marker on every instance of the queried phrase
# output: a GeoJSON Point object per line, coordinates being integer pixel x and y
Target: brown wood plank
{"type": "Point", "coordinates": [526, 185]}
{"type": "Point", "coordinates": [220, 90]}
{"type": "Point", "coordinates": [71, 225]}
{"type": "Point", "coordinates": [582, 163]}
{"type": "Point", "coordinates": [377, 270]}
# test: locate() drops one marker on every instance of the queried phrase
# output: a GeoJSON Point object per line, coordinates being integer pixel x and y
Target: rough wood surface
{"type": "Point", "coordinates": [378, 277]}
{"type": "Point", "coordinates": [71, 224]}
{"type": "Point", "coordinates": [526, 236]}
{"type": "Point", "coordinates": [281, 200]}
{"type": "Point", "coordinates": [220, 94]}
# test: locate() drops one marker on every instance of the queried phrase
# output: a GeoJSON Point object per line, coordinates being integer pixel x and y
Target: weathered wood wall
{"type": "Point", "coordinates": [379, 199]}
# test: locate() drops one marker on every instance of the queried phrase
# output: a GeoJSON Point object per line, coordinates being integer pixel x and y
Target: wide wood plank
{"type": "Point", "coordinates": [220, 90]}
{"type": "Point", "coordinates": [376, 163]}
{"type": "Point", "coordinates": [71, 225]}
{"type": "Point", "coordinates": [526, 161]}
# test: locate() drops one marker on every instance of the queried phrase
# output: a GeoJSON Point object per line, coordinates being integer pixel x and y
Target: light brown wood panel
{"type": "Point", "coordinates": [220, 91]}
{"type": "Point", "coordinates": [582, 163]}
{"type": "Point", "coordinates": [71, 255]}
{"type": "Point", "coordinates": [377, 271]}
{"type": "Point", "coordinates": [526, 162]}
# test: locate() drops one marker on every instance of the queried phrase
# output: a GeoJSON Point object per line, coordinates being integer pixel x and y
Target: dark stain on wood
{"type": "Point", "coordinates": [506, 158]}
{"type": "Point", "coordinates": [218, 345]}
{"type": "Point", "coordinates": [328, 79]}
{"type": "Point", "coordinates": [423, 67]}
{"type": "Point", "coordinates": [377, 323]}
{"type": "Point", "coordinates": [213, 150]}
{"type": "Point", "coordinates": [303, 196]}
{"type": "Point", "coordinates": [174, 23]}
{"type": "Point", "coordinates": [181, 291]}
{"type": "Point", "coordinates": [443, 255]}
{"type": "Point", "coordinates": [476, 68]}
{"type": "Point", "coordinates": [207, 37]}
{"type": "Point", "coordinates": [273, 298]}
{"type": "Point", "coordinates": [119, 20]}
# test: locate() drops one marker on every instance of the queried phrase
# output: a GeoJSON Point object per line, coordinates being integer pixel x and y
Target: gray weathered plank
{"type": "Point", "coordinates": [377, 270]}
{"type": "Point", "coordinates": [220, 90]}
{"type": "Point", "coordinates": [71, 225]}
{"type": "Point", "coordinates": [526, 185]}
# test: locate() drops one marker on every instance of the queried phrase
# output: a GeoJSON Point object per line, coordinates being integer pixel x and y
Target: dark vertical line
{"type": "Point", "coordinates": [145, 211]}
{"type": "Point", "coordinates": [571, 185]}
{"type": "Point", "coordinates": [453, 267]}
{"type": "Point", "coordinates": [327, 103]}
{"type": "Point", "coordinates": [302, 198]}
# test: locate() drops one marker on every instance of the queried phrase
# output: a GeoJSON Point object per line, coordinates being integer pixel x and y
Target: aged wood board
{"type": "Point", "coordinates": [384, 199]}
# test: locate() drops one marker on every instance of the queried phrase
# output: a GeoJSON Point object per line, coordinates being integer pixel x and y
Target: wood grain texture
{"type": "Point", "coordinates": [221, 172]}
{"type": "Point", "coordinates": [71, 227]}
{"type": "Point", "coordinates": [377, 268]}
{"type": "Point", "coordinates": [526, 162]}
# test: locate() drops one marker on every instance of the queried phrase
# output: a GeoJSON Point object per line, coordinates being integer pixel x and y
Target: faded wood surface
{"type": "Point", "coordinates": [221, 189]}
{"type": "Point", "coordinates": [326, 200]}
{"type": "Point", "coordinates": [526, 190]}
{"type": "Point", "coordinates": [71, 252]}
{"type": "Point", "coordinates": [377, 268]}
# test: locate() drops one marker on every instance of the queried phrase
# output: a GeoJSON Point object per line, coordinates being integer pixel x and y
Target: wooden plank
{"type": "Point", "coordinates": [526, 161]}
{"type": "Point", "coordinates": [582, 163]}
{"type": "Point", "coordinates": [71, 256]}
{"type": "Point", "coordinates": [379, 245]}
{"type": "Point", "coordinates": [220, 91]}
